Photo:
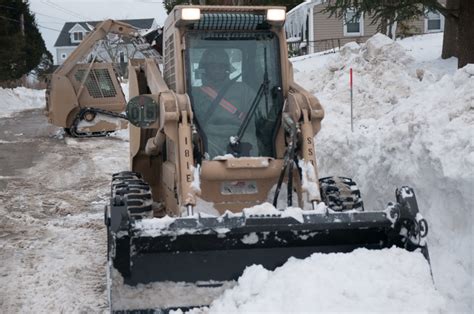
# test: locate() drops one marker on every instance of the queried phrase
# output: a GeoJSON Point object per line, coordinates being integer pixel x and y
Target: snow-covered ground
{"type": "Point", "coordinates": [413, 125]}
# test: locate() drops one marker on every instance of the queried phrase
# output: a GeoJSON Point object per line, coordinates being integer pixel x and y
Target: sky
{"type": "Point", "coordinates": [52, 14]}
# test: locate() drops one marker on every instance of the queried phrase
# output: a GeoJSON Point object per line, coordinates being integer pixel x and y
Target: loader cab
{"type": "Point", "coordinates": [234, 82]}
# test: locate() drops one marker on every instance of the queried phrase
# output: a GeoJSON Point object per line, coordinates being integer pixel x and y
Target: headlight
{"type": "Point", "coordinates": [276, 15]}
{"type": "Point", "coordinates": [190, 14]}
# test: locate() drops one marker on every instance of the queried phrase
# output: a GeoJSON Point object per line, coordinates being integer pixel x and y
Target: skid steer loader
{"type": "Point", "coordinates": [83, 95]}
{"type": "Point", "coordinates": [223, 168]}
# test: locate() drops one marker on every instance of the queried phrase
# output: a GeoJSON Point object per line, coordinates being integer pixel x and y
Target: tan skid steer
{"type": "Point", "coordinates": [223, 168]}
{"type": "Point", "coordinates": [84, 95]}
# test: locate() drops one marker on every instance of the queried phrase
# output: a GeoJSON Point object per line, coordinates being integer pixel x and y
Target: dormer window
{"type": "Point", "coordinates": [77, 37]}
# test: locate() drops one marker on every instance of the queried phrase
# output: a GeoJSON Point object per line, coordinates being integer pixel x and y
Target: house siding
{"type": "Point", "coordinates": [325, 28]}
{"type": "Point", "coordinates": [60, 51]}
{"type": "Point", "coordinates": [369, 29]}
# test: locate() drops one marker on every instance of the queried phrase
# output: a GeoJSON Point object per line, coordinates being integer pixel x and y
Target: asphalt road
{"type": "Point", "coordinates": [52, 237]}
{"type": "Point", "coordinates": [24, 139]}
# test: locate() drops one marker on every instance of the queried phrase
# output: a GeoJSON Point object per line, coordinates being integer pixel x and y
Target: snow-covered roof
{"type": "Point", "coordinates": [303, 6]}
{"type": "Point", "coordinates": [296, 17]}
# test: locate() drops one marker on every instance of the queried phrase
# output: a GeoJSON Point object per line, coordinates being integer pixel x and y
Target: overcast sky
{"type": "Point", "coordinates": [52, 14]}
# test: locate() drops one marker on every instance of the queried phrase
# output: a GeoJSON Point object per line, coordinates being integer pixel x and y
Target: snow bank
{"type": "Point", "coordinates": [410, 129]}
{"type": "Point", "coordinates": [390, 280]}
{"type": "Point", "coordinates": [19, 99]}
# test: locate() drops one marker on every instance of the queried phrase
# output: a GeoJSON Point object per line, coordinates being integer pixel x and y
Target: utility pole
{"type": "Point", "coordinates": [22, 24]}
{"type": "Point", "coordinates": [22, 21]}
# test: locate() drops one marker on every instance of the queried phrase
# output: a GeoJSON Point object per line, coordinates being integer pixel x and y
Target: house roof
{"type": "Point", "coordinates": [64, 38]}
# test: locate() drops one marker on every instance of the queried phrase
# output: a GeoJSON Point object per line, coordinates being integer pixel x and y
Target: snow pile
{"type": "Point", "coordinates": [413, 118]}
{"type": "Point", "coordinates": [18, 99]}
{"type": "Point", "coordinates": [336, 283]}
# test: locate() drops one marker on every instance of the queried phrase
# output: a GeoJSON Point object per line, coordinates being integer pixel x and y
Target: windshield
{"type": "Point", "coordinates": [234, 80]}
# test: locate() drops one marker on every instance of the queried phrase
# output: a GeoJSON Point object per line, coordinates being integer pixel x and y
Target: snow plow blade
{"type": "Point", "coordinates": [212, 250]}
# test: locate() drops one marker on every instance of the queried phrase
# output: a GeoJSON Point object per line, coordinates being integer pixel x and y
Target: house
{"type": "Point", "coordinates": [73, 33]}
{"type": "Point", "coordinates": [309, 30]}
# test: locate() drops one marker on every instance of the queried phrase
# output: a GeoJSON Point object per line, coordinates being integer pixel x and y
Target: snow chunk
{"type": "Point", "coordinates": [250, 238]}
{"type": "Point", "coordinates": [196, 184]}
{"type": "Point", "coordinates": [380, 46]}
{"type": "Point", "coordinates": [267, 209]}
{"type": "Point", "coordinates": [84, 125]}
{"type": "Point", "coordinates": [375, 44]}
{"type": "Point", "coordinates": [149, 227]}
{"type": "Point", "coordinates": [295, 213]}
{"type": "Point", "coordinates": [261, 210]}
{"type": "Point", "coordinates": [204, 207]}
{"type": "Point", "coordinates": [469, 69]}
{"type": "Point", "coordinates": [224, 157]}
{"type": "Point", "coordinates": [310, 184]}
{"type": "Point", "coordinates": [350, 47]}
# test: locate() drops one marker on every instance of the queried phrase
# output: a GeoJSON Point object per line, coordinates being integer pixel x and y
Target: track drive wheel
{"type": "Point", "coordinates": [340, 194]}
{"type": "Point", "coordinates": [130, 187]}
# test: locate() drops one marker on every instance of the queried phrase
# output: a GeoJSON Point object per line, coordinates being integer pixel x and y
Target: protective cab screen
{"type": "Point", "coordinates": [234, 81]}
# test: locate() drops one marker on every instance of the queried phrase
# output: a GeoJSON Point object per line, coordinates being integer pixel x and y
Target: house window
{"type": "Point", "coordinates": [353, 24]}
{"type": "Point", "coordinates": [77, 37]}
{"type": "Point", "coordinates": [433, 22]}
{"type": "Point", "coordinates": [63, 56]}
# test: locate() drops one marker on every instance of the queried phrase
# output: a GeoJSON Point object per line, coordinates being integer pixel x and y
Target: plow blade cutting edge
{"type": "Point", "coordinates": [208, 252]}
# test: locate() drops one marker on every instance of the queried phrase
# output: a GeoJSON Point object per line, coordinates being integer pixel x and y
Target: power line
{"type": "Point", "coordinates": [13, 20]}
{"type": "Point", "coordinates": [53, 29]}
{"type": "Point", "coordinates": [54, 17]}
{"type": "Point", "coordinates": [64, 10]}
{"type": "Point", "coordinates": [35, 12]}
{"type": "Point", "coordinates": [52, 22]}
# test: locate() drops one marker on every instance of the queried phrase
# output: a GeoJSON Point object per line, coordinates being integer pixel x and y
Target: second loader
{"type": "Point", "coordinates": [223, 167]}
{"type": "Point", "coordinates": [83, 94]}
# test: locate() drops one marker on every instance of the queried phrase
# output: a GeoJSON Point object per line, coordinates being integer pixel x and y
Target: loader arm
{"type": "Point", "coordinates": [100, 32]}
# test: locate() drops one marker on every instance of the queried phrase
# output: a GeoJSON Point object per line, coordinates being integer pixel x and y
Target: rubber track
{"type": "Point", "coordinates": [80, 116]}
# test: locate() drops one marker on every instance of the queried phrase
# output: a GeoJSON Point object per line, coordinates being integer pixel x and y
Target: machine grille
{"type": "Point", "coordinates": [169, 66]}
{"type": "Point", "coordinates": [98, 83]}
